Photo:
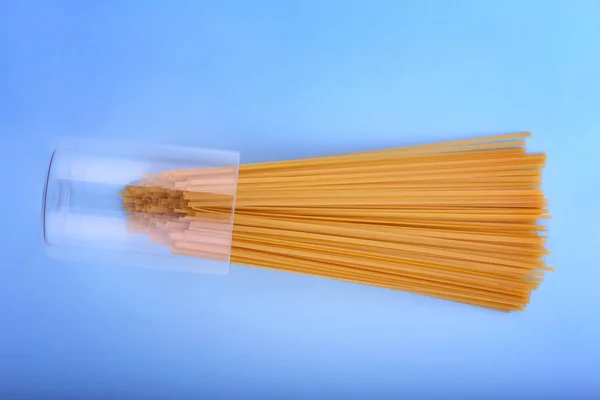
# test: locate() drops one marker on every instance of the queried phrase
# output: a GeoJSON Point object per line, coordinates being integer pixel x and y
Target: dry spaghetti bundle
{"type": "Point", "coordinates": [456, 220]}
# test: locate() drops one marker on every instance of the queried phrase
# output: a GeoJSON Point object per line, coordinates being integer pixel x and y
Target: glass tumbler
{"type": "Point", "coordinates": [140, 204]}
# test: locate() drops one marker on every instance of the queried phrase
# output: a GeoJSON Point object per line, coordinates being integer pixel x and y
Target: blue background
{"type": "Point", "coordinates": [278, 80]}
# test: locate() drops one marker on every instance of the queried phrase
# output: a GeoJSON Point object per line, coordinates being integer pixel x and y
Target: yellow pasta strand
{"type": "Point", "coordinates": [455, 220]}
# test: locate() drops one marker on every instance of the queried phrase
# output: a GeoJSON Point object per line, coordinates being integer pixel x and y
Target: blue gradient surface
{"type": "Point", "coordinates": [278, 80]}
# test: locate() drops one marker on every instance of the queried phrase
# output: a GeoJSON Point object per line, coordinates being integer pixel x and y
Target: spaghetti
{"type": "Point", "coordinates": [456, 220]}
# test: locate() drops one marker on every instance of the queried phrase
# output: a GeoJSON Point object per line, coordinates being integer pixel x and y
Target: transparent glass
{"type": "Point", "coordinates": [140, 204]}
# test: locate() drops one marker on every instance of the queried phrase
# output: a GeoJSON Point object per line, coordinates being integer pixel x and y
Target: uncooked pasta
{"type": "Point", "coordinates": [458, 220]}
